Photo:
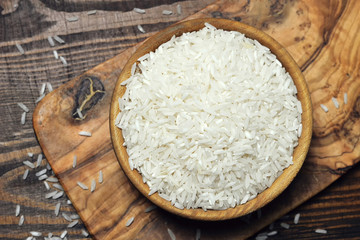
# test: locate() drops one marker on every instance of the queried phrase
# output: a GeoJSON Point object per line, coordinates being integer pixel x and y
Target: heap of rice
{"type": "Point", "coordinates": [210, 119]}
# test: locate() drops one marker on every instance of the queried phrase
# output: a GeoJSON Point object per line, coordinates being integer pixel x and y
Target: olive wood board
{"type": "Point", "coordinates": [320, 36]}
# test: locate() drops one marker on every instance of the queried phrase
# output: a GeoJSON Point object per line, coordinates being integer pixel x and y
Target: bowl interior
{"type": "Point", "coordinates": [299, 153]}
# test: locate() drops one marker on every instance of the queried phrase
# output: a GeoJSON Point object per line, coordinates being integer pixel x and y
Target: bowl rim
{"type": "Point", "coordinates": [300, 152]}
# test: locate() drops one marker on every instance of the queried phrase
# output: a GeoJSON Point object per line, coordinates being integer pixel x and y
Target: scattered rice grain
{"type": "Point", "coordinates": [57, 209]}
{"type": "Point", "coordinates": [29, 164]}
{"type": "Point", "coordinates": [39, 160]}
{"type": "Point", "coordinates": [73, 223]}
{"type": "Point", "coordinates": [41, 172]}
{"type": "Point", "coordinates": [141, 29]}
{"type": "Point", "coordinates": [129, 222]}
{"type": "Point", "coordinates": [21, 220]}
{"type": "Point", "coordinates": [324, 108]}
{"type": "Point", "coordinates": [272, 233]}
{"type": "Point", "coordinates": [35, 233]}
{"type": "Point", "coordinates": [335, 101]}
{"type": "Point", "coordinates": [58, 195]}
{"type": "Point", "coordinates": [85, 133]}
{"type": "Point", "coordinates": [151, 208]}
{"type": "Point", "coordinates": [285, 225]}
{"type": "Point", "coordinates": [321, 231]}
{"type": "Point", "coordinates": [139, 10]}
{"type": "Point", "coordinates": [23, 118]}
{"type": "Point", "coordinates": [30, 154]}
{"type": "Point", "coordinates": [198, 234]}
{"type": "Point", "coordinates": [74, 216]}
{"type": "Point", "coordinates": [167, 12]}
{"type": "Point", "coordinates": [42, 89]}
{"type": "Point", "coordinates": [47, 186]}
{"type": "Point", "coordinates": [72, 19]}
{"type": "Point", "coordinates": [69, 202]}
{"type": "Point", "coordinates": [20, 48]}
{"type": "Point", "coordinates": [101, 176]}
{"type": "Point", "coordinates": [63, 60]}
{"type": "Point", "coordinates": [49, 87]}
{"type": "Point", "coordinates": [345, 98]}
{"type": "Point", "coordinates": [39, 98]}
{"type": "Point", "coordinates": [178, 9]}
{"type": "Point", "coordinates": [59, 39]}
{"type": "Point", "coordinates": [84, 233]}
{"type": "Point", "coordinates": [171, 234]}
{"type": "Point", "coordinates": [51, 41]}
{"type": "Point", "coordinates": [17, 210]}
{"type": "Point", "coordinates": [52, 179]}
{"type": "Point", "coordinates": [92, 12]}
{"type": "Point", "coordinates": [51, 194]}
{"type": "Point", "coordinates": [83, 186]}
{"type": "Point", "coordinates": [93, 185]}
{"type": "Point", "coordinates": [26, 173]}
{"type": "Point", "coordinates": [66, 217]}
{"type": "Point", "coordinates": [56, 55]}
{"type": "Point", "coordinates": [43, 177]}
{"type": "Point", "coordinates": [297, 218]}
{"type": "Point", "coordinates": [58, 186]}
{"type": "Point", "coordinates": [63, 234]}
{"type": "Point", "coordinates": [74, 161]}
{"type": "Point", "coordinates": [23, 106]}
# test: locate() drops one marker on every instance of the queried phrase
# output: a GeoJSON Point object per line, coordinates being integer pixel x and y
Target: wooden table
{"type": "Point", "coordinates": [91, 39]}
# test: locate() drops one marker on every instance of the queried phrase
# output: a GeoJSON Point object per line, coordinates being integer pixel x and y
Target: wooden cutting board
{"type": "Point", "coordinates": [321, 37]}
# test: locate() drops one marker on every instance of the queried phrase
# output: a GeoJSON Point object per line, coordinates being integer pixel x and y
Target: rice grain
{"type": "Point", "coordinates": [84, 233]}
{"type": "Point", "coordinates": [51, 194]}
{"type": "Point", "coordinates": [272, 233]}
{"type": "Point", "coordinates": [35, 233]}
{"type": "Point", "coordinates": [81, 185]}
{"type": "Point", "coordinates": [23, 118]}
{"type": "Point", "coordinates": [101, 176]}
{"type": "Point", "coordinates": [345, 98]}
{"type": "Point", "coordinates": [39, 160]}
{"type": "Point", "coordinates": [47, 186]}
{"type": "Point", "coordinates": [23, 106]}
{"type": "Point", "coordinates": [58, 39]}
{"type": "Point", "coordinates": [43, 177]}
{"type": "Point", "coordinates": [297, 218]}
{"type": "Point", "coordinates": [26, 173]}
{"type": "Point", "coordinates": [51, 41]}
{"type": "Point", "coordinates": [141, 29]}
{"type": "Point", "coordinates": [139, 10]}
{"type": "Point", "coordinates": [29, 164]}
{"type": "Point", "coordinates": [42, 89]}
{"type": "Point", "coordinates": [335, 101]}
{"type": "Point", "coordinates": [171, 234]}
{"type": "Point", "coordinates": [30, 154]}
{"type": "Point", "coordinates": [57, 209]}
{"type": "Point", "coordinates": [17, 210]}
{"type": "Point", "coordinates": [285, 225]}
{"type": "Point", "coordinates": [63, 234]}
{"type": "Point", "coordinates": [56, 55]}
{"type": "Point", "coordinates": [58, 186]}
{"type": "Point", "coordinates": [21, 220]}
{"type": "Point", "coordinates": [20, 48]}
{"type": "Point", "coordinates": [72, 224]}
{"type": "Point", "coordinates": [321, 231]}
{"type": "Point", "coordinates": [52, 179]}
{"type": "Point", "coordinates": [178, 9]}
{"type": "Point", "coordinates": [66, 217]}
{"type": "Point", "coordinates": [324, 108]}
{"type": "Point", "coordinates": [167, 12]}
{"type": "Point", "coordinates": [72, 19]}
{"type": "Point", "coordinates": [39, 98]}
{"type": "Point", "coordinates": [49, 87]}
{"type": "Point", "coordinates": [58, 195]}
{"type": "Point", "coordinates": [151, 208]}
{"type": "Point", "coordinates": [63, 60]}
{"type": "Point", "coordinates": [198, 234]}
{"type": "Point", "coordinates": [74, 161]}
{"type": "Point", "coordinates": [129, 222]}
{"type": "Point", "coordinates": [93, 185]}
{"type": "Point", "coordinates": [41, 172]}
{"type": "Point", "coordinates": [92, 12]}
{"type": "Point", "coordinates": [85, 133]}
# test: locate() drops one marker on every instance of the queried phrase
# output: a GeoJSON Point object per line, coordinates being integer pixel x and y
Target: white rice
{"type": "Point", "coordinates": [139, 10]}
{"type": "Point", "coordinates": [58, 186]}
{"type": "Point", "coordinates": [23, 118]}
{"type": "Point", "coordinates": [85, 133]}
{"type": "Point", "coordinates": [324, 108]}
{"type": "Point", "coordinates": [129, 222]}
{"type": "Point", "coordinates": [84, 233]}
{"type": "Point", "coordinates": [41, 172]}
{"type": "Point", "coordinates": [30, 154]}
{"type": "Point", "coordinates": [92, 12]}
{"type": "Point", "coordinates": [93, 185]}
{"type": "Point", "coordinates": [198, 234]}
{"type": "Point", "coordinates": [72, 19]}
{"type": "Point", "coordinates": [101, 176]}
{"type": "Point", "coordinates": [73, 223]}
{"type": "Point", "coordinates": [23, 106]}
{"type": "Point", "coordinates": [272, 233]}
{"type": "Point", "coordinates": [58, 195]}
{"type": "Point", "coordinates": [185, 118]}
{"type": "Point", "coordinates": [42, 89]}
{"type": "Point", "coordinates": [335, 101]}
{"type": "Point", "coordinates": [74, 161]}
{"type": "Point", "coordinates": [56, 55]}
{"type": "Point", "coordinates": [63, 234]}
{"type": "Point", "coordinates": [47, 186]}
{"type": "Point", "coordinates": [51, 194]}
{"type": "Point", "coordinates": [167, 12]}
{"type": "Point", "coordinates": [29, 164]}
{"type": "Point", "coordinates": [285, 225]}
{"type": "Point", "coordinates": [345, 98]}
{"type": "Point", "coordinates": [141, 29]}
{"type": "Point", "coordinates": [171, 234]}
{"type": "Point", "coordinates": [51, 41]}
{"type": "Point", "coordinates": [57, 209]}
{"type": "Point", "coordinates": [39, 160]}
{"type": "Point", "coordinates": [35, 233]}
{"type": "Point", "coordinates": [59, 39]}
{"type": "Point", "coordinates": [297, 218]}
{"type": "Point", "coordinates": [78, 111]}
{"type": "Point", "coordinates": [178, 9]}
{"type": "Point", "coordinates": [69, 202]}
{"type": "Point", "coordinates": [52, 179]}
{"type": "Point", "coordinates": [17, 210]}
{"type": "Point", "coordinates": [49, 87]}
{"type": "Point", "coordinates": [21, 220]}
{"type": "Point", "coordinates": [321, 231]}
{"type": "Point", "coordinates": [66, 217]}
{"type": "Point", "coordinates": [74, 216]}
{"type": "Point", "coordinates": [43, 177]}
{"type": "Point", "coordinates": [63, 60]}
{"type": "Point", "coordinates": [83, 186]}
{"type": "Point", "coordinates": [151, 208]}
{"type": "Point", "coordinates": [20, 48]}
{"type": "Point", "coordinates": [39, 98]}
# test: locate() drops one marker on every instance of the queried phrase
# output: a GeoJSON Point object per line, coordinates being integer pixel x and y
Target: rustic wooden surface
{"type": "Point", "coordinates": [324, 43]}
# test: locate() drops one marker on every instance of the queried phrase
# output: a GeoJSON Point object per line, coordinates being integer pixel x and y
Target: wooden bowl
{"type": "Point", "coordinates": [299, 153]}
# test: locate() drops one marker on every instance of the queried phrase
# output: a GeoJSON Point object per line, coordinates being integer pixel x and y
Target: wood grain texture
{"type": "Point", "coordinates": [310, 28]}
{"type": "Point", "coordinates": [150, 45]}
